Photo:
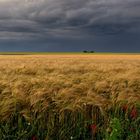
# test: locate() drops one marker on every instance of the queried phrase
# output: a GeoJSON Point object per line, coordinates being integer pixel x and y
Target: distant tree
{"type": "Point", "coordinates": [92, 52]}
{"type": "Point", "coordinates": [85, 51]}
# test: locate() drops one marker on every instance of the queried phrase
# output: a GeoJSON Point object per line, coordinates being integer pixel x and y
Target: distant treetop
{"type": "Point", "coordinates": [85, 51]}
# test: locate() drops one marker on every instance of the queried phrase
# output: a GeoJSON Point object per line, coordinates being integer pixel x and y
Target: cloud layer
{"type": "Point", "coordinates": [67, 19]}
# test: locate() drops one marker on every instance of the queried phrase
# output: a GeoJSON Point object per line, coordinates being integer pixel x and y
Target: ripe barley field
{"type": "Point", "coordinates": [64, 97]}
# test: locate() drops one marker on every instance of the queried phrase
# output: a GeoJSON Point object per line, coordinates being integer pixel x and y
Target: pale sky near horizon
{"type": "Point", "coordinates": [70, 25]}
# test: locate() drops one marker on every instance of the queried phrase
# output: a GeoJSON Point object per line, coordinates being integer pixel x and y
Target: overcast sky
{"type": "Point", "coordinates": [70, 25]}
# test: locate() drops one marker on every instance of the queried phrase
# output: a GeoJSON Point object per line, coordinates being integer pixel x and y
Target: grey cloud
{"type": "Point", "coordinates": [63, 19]}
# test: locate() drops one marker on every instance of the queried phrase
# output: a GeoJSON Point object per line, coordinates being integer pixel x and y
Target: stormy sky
{"type": "Point", "coordinates": [70, 25]}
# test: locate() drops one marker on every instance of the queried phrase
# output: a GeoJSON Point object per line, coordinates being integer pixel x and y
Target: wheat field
{"type": "Point", "coordinates": [62, 95]}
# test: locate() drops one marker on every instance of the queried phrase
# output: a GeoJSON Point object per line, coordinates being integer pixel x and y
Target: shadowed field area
{"type": "Point", "coordinates": [63, 97]}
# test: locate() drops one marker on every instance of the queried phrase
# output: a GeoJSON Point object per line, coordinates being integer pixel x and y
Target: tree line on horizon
{"type": "Point", "coordinates": [86, 51]}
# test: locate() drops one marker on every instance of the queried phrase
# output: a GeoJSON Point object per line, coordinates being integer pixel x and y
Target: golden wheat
{"type": "Point", "coordinates": [71, 81]}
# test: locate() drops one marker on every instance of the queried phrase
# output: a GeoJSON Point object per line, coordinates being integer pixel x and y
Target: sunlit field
{"type": "Point", "coordinates": [65, 97]}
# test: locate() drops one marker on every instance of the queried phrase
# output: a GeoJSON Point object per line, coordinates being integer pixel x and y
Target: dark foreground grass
{"type": "Point", "coordinates": [121, 122]}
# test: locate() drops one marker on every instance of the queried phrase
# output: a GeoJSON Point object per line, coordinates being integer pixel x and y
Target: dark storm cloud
{"type": "Point", "coordinates": [68, 19]}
